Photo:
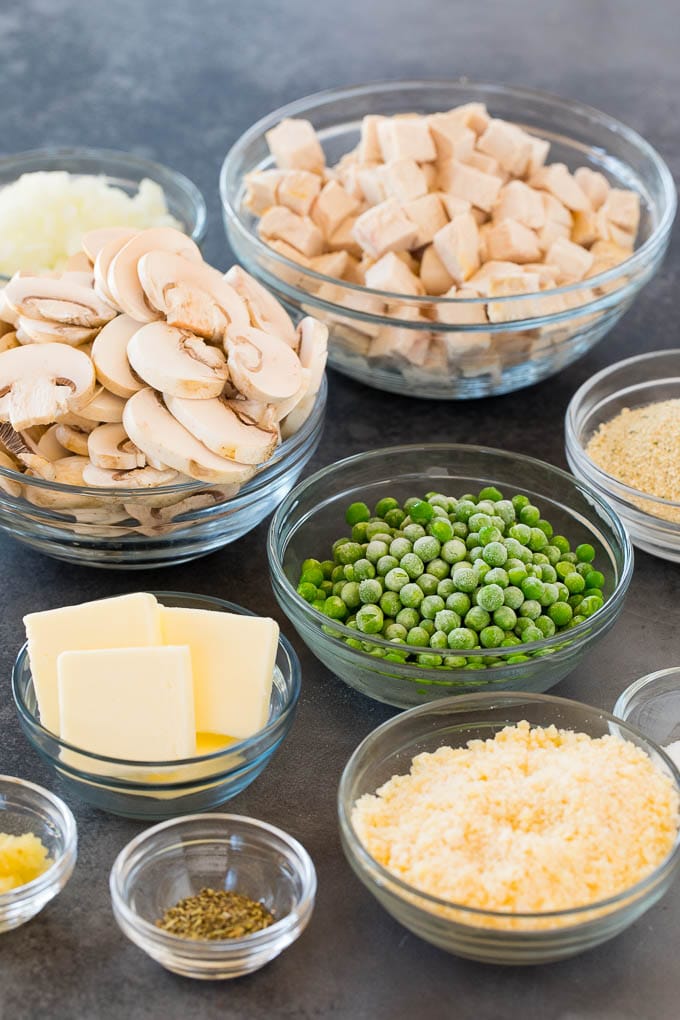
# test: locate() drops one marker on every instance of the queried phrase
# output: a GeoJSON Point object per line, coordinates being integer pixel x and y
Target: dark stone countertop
{"type": "Point", "coordinates": [179, 81]}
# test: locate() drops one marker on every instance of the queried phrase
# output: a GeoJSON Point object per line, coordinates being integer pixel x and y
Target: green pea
{"type": "Point", "coordinates": [513, 597]}
{"type": "Point", "coordinates": [421, 511]}
{"type": "Point", "coordinates": [441, 529]}
{"type": "Point", "coordinates": [446, 620]}
{"type": "Point", "coordinates": [418, 637]}
{"type": "Point", "coordinates": [537, 540]}
{"type": "Point", "coordinates": [307, 591]}
{"type": "Point", "coordinates": [429, 660]}
{"type": "Point", "coordinates": [390, 603]}
{"type": "Point", "coordinates": [560, 613]}
{"type": "Point", "coordinates": [530, 608]}
{"type": "Point", "coordinates": [384, 505]}
{"type": "Point", "coordinates": [532, 588]}
{"type": "Point", "coordinates": [585, 553]}
{"type": "Point", "coordinates": [359, 532]}
{"type": "Point", "coordinates": [516, 575]}
{"type": "Point", "coordinates": [395, 518]}
{"type": "Point", "coordinates": [522, 623]}
{"type": "Point", "coordinates": [439, 640]}
{"type": "Point", "coordinates": [370, 619]}
{"type": "Point", "coordinates": [460, 530]}
{"type": "Point", "coordinates": [354, 643]}
{"type": "Point", "coordinates": [373, 529]}
{"type": "Point", "coordinates": [505, 511]}
{"type": "Point", "coordinates": [370, 591]}
{"type": "Point", "coordinates": [490, 597]}
{"type": "Point", "coordinates": [348, 571]}
{"type": "Point", "coordinates": [385, 564]}
{"type": "Point", "coordinates": [590, 605]}
{"type": "Point", "coordinates": [481, 568]}
{"type": "Point", "coordinates": [521, 533]}
{"type": "Point", "coordinates": [357, 512]}
{"type": "Point", "coordinates": [427, 548]}
{"type": "Point", "coordinates": [459, 602]}
{"type": "Point", "coordinates": [465, 508]}
{"type": "Point", "coordinates": [594, 579]}
{"type": "Point", "coordinates": [479, 521]}
{"type": "Point", "coordinates": [465, 579]}
{"type": "Point", "coordinates": [428, 583]}
{"type": "Point", "coordinates": [408, 618]}
{"type": "Point", "coordinates": [362, 570]}
{"type": "Point", "coordinates": [396, 578]}
{"type": "Point", "coordinates": [453, 551]}
{"type": "Point", "coordinates": [530, 515]}
{"type": "Point", "coordinates": [335, 608]}
{"type": "Point", "coordinates": [455, 661]}
{"type": "Point", "coordinates": [492, 493]}
{"type": "Point", "coordinates": [532, 633]}
{"type": "Point", "coordinates": [510, 641]}
{"type": "Point", "coordinates": [349, 594]}
{"type": "Point", "coordinates": [561, 543]}
{"type": "Point", "coordinates": [495, 554]}
{"type": "Point", "coordinates": [439, 568]}
{"type": "Point", "coordinates": [427, 625]}
{"type": "Point", "coordinates": [477, 618]}
{"type": "Point", "coordinates": [413, 532]}
{"type": "Point", "coordinates": [376, 549]}
{"type": "Point", "coordinates": [548, 573]}
{"type": "Point", "coordinates": [413, 565]}
{"type": "Point", "coordinates": [431, 605]}
{"type": "Point", "coordinates": [513, 659]}
{"type": "Point", "coordinates": [411, 596]}
{"type": "Point", "coordinates": [445, 587]}
{"type": "Point", "coordinates": [399, 547]}
{"type": "Point", "coordinates": [338, 574]}
{"type": "Point", "coordinates": [545, 625]}
{"type": "Point", "coordinates": [554, 555]}
{"type": "Point", "coordinates": [348, 552]}
{"type": "Point", "coordinates": [575, 583]}
{"type": "Point", "coordinates": [505, 617]}
{"type": "Point", "coordinates": [394, 630]}
{"type": "Point", "coordinates": [472, 540]}
{"type": "Point", "coordinates": [462, 638]}
{"type": "Point", "coordinates": [491, 637]}
{"type": "Point", "coordinates": [326, 587]}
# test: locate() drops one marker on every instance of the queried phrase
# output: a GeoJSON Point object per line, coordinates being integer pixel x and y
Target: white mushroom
{"type": "Point", "coordinates": [23, 448]}
{"type": "Point", "coordinates": [224, 429]}
{"type": "Point", "coordinates": [37, 331]}
{"type": "Point", "coordinates": [67, 471]}
{"type": "Point", "coordinates": [66, 301]}
{"type": "Point", "coordinates": [262, 366]}
{"type": "Point", "coordinates": [264, 415]}
{"type": "Point", "coordinates": [191, 295]}
{"type": "Point", "coordinates": [175, 361]}
{"type": "Point", "coordinates": [151, 426]}
{"type": "Point", "coordinates": [11, 488]}
{"type": "Point", "coordinates": [70, 418]}
{"type": "Point", "coordinates": [117, 239]}
{"type": "Point", "coordinates": [49, 446]}
{"type": "Point", "coordinates": [8, 341]}
{"type": "Point", "coordinates": [313, 349]}
{"type": "Point", "coordinates": [79, 263]}
{"type": "Point", "coordinates": [72, 439]}
{"type": "Point", "coordinates": [110, 447]}
{"type": "Point", "coordinates": [41, 382]}
{"type": "Point", "coordinates": [109, 354]}
{"type": "Point", "coordinates": [122, 278]}
{"type": "Point", "coordinates": [139, 478]}
{"type": "Point", "coordinates": [8, 317]}
{"type": "Point", "coordinates": [103, 406]}
{"type": "Point", "coordinates": [94, 241]}
{"type": "Point", "coordinates": [264, 310]}
{"type": "Point", "coordinates": [155, 520]}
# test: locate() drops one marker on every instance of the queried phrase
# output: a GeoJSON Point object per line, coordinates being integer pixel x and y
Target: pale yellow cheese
{"type": "Point", "coordinates": [124, 622]}
{"type": "Point", "coordinates": [233, 659]}
{"type": "Point", "coordinates": [130, 703]}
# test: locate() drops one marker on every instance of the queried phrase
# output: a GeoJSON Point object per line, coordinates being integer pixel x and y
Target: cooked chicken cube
{"type": "Point", "coordinates": [557, 180]}
{"type": "Point", "coordinates": [404, 180]}
{"type": "Point", "coordinates": [280, 224]}
{"type": "Point", "coordinates": [572, 261]}
{"type": "Point", "coordinates": [517, 201]}
{"type": "Point", "coordinates": [452, 139]}
{"type": "Point", "coordinates": [511, 241]}
{"type": "Point", "coordinates": [433, 273]}
{"type": "Point", "coordinates": [391, 274]}
{"type": "Point", "coordinates": [385, 227]}
{"type": "Point", "coordinates": [429, 215]}
{"type": "Point", "coordinates": [593, 184]}
{"type": "Point", "coordinates": [406, 138]}
{"type": "Point", "coordinates": [332, 207]}
{"type": "Point", "coordinates": [294, 146]}
{"type": "Point", "coordinates": [297, 190]}
{"type": "Point", "coordinates": [507, 143]}
{"type": "Point", "coordinates": [457, 245]}
{"type": "Point", "coordinates": [262, 190]}
{"type": "Point", "coordinates": [466, 182]}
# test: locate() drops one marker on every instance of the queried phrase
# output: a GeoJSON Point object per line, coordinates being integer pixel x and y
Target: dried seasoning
{"type": "Point", "coordinates": [215, 914]}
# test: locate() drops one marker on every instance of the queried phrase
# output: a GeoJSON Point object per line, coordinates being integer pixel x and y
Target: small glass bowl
{"type": "Point", "coordinates": [179, 858]}
{"type": "Point", "coordinates": [368, 328]}
{"type": "Point", "coordinates": [133, 529]}
{"type": "Point", "coordinates": [485, 935]}
{"type": "Point", "coordinates": [121, 170]}
{"type": "Point", "coordinates": [26, 807]}
{"type": "Point", "coordinates": [154, 790]}
{"type": "Point", "coordinates": [653, 523]}
{"type": "Point", "coordinates": [312, 517]}
{"type": "Point", "coordinates": [652, 704]}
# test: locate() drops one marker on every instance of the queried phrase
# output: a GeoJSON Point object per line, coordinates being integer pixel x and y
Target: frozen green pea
{"type": "Point", "coordinates": [357, 512]}
{"type": "Point", "coordinates": [513, 547]}
{"type": "Point", "coordinates": [348, 552]}
{"type": "Point", "coordinates": [561, 543]}
{"type": "Point", "coordinates": [510, 640]}
{"type": "Point", "coordinates": [411, 595]}
{"type": "Point", "coordinates": [506, 511]}
{"type": "Point", "coordinates": [454, 661]}
{"type": "Point", "coordinates": [490, 534]}
{"type": "Point", "coordinates": [336, 589]}
{"type": "Point", "coordinates": [394, 630]}
{"type": "Point", "coordinates": [327, 566]}
{"type": "Point", "coordinates": [307, 591]}
{"type": "Point", "coordinates": [375, 549]}
{"type": "Point", "coordinates": [465, 579]}
{"type": "Point", "coordinates": [362, 570]}
{"type": "Point", "coordinates": [335, 608]}
{"type": "Point", "coordinates": [429, 660]}
{"type": "Point", "coordinates": [575, 583]}
{"type": "Point", "coordinates": [575, 601]}
{"type": "Point", "coordinates": [453, 551]}
{"type": "Point", "coordinates": [553, 553]}
{"type": "Point", "coordinates": [412, 564]}
{"type": "Point", "coordinates": [540, 559]}
{"type": "Point", "coordinates": [538, 540]}
{"type": "Point", "coordinates": [441, 529]}
{"type": "Point", "coordinates": [460, 530]}
{"type": "Point", "coordinates": [428, 583]}
{"type": "Point", "coordinates": [421, 511]}
{"type": "Point", "coordinates": [520, 532]}
{"type": "Point", "coordinates": [395, 518]}
{"type": "Point", "coordinates": [490, 597]}
{"type": "Point", "coordinates": [385, 504]}
{"type": "Point", "coordinates": [475, 664]}
{"type": "Point", "coordinates": [532, 633]}
{"type": "Point", "coordinates": [312, 573]}
{"type": "Point", "coordinates": [459, 602]}
{"type": "Point", "coordinates": [472, 541]}
{"type": "Point", "coordinates": [548, 573]}
{"type": "Point", "coordinates": [370, 591]}
{"type": "Point", "coordinates": [491, 637]}
{"type": "Point", "coordinates": [359, 532]}
{"type": "Point", "coordinates": [413, 532]}
{"type": "Point", "coordinates": [594, 579]}
{"type": "Point", "coordinates": [369, 619]}
{"type": "Point", "coordinates": [530, 515]}
{"type": "Point", "coordinates": [408, 618]}
{"type": "Point", "coordinates": [532, 588]}
{"type": "Point", "coordinates": [439, 640]}
{"type": "Point", "coordinates": [427, 548]}
{"type": "Point", "coordinates": [585, 553]}
{"type": "Point", "coordinates": [349, 593]}
{"type": "Point", "coordinates": [497, 575]}
{"type": "Point", "coordinates": [545, 526]}
{"type": "Point", "coordinates": [545, 625]}
{"type": "Point", "coordinates": [475, 554]}
{"type": "Point", "coordinates": [446, 620]}
{"type": "Point", "coordinates": [550, 594]}
{"type": "Point", "coordinates": [505, 617]}
{"type": "Point", "coordinates": [491, 493]}
{"type": "Point", "coordinates": [516, 575]}
{"type": "Point", "coordinates": [396, 578]}
{"type": "Point", "coordinates": [427, 625]}
{"type": "Point", "coordinates": [481, 568]}
{"type": "Point", "coordinates": [495, 554]}
{"type": "Point", "coordinates": [530, 609]}
{"type": "Point", "coordinates": [399, 547]}
{"type": "Point", "coordinates": [477, 618]}
{"type": "Point", "coordinates": [430, 606]}
{"type": "Point", "coordinates": [439, 568]}
{"type": "Point", "coordinates": [374, 528]}
{"type": "Point", "coordinates": [390, 603]}
{"type": "Point", "coordinates": [485, 506]}
{"type": "Point", "coordinates": [513, 596]}
{"type": "Point", "coordinates": [338, 574]}
{"type": "Point", "coordinates": [445, 587]}
{"type": "Point", "coordinates": [385, 564]}
{"type": "Point", "coordinates": [418, 637]}
{"type": "Point", "coordinates": [590, 605]}
{"type": "Point", "coordinates": [462, 638]}
{"type": "Point", "coordinates": [522, 623]}
{"type": "Point", "coordinates": [479, 521]}
{"type": "Point", "coordinates": [465, 508]}
{"type": "Point", "coordinates": [513, 659]}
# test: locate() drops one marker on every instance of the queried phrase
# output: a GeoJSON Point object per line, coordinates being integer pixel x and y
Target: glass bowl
{"type": "Point", "coordinates": [457, 361]}
{"type": "Point", "coordinates": [313, 516]}
{"type": "Point", "coordinates": [26, 807]}
{"type": "Point", "coordinates": [652, 704]}
{"type": "Point", "coordinates": [653, 523]}
{"type": "Point", "coordinates": [179, 858]}
{"type": "Point", "coordinates": [119, 169]}
{"type": "Point", "coordinates": [490, 936]}
{"type": "Point", "coordinates": [154, 790]}
{"type": "Point", "coordinates": [133, 529]}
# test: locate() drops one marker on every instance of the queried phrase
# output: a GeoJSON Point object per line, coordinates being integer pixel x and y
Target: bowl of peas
{"type": "Point", "coordinates": [418, 572]}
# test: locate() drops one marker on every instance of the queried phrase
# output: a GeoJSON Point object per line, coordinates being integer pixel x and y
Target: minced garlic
{"type": "Point", "coordinates": [22, 858]}
{"type": "Point", "coordinates": [530, 821]}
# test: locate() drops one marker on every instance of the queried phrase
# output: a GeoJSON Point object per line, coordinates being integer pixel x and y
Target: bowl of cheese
{"type": "Point", "coordinates": [154, 705]}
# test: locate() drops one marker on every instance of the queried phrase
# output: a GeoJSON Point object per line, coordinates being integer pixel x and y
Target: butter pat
{"type": "Point", "coordinates": [124, 622]}
{"type": "Point", "coordinates": [130, 703]}
{"type": "Point", "coordinates": [233, 661]}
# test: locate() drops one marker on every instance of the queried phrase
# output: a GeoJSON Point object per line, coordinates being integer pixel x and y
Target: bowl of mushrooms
{"type": "Point", "coordinates": [459, 239]}
{"type": "Point", "coordinates": [152, 409]}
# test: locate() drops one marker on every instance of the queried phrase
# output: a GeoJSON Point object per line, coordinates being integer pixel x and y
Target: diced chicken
{"type": "Point", "coordinates": [547, 274]}
{"type": "Point", "coordinates": [385, 227]}
{"type": "Point", "coordinates": [452, 138]}
{"type": "Point", "coordinates": [342, 239]}
{"type": "Point", "coordinates": [464, 311]}
{"type": "Point", "coordinates": [466, 182]}
{"type": "Point", "coordinates": [480, 282]}
{"type": "Point", "coordinates": [406, 138]}
{"type": "Point", "coordinates": [487, 164]}
{"type": "Point", "coordinates": [349, 177]}
{"type": "Point", "coordinates": [409, 343]}
{"type": "Point", "coordinates": [262, 190]}
{"type": "Point", "coordinates": [558, 222]}
{"type": "Point", "coordinates": [333, 263]}
{"type": "Point", "coordinates": [517, 201]}
{"type": "Point", "coordinates": [404, 180]}
{"type": "Point", "coordinates": [369, 146]}
{"type": "Point", "coordinates": [391, 274]}
{"type": "Point", "coordinates": [297, 190]}
{"type": "Point", "coordinates": [280, 224]}
{"type": "Point", "coordinates": [433, 273]}
{"type": "Point", "coordinates": [557, 180]}
{"type": "Point", "coordinates": [585, 229]}
{"type": "Point", "coordinates": [454, 206]}
{"type": "Point", "coordinates": [622, 208]}
{"type": "Point", "coordinates": [371, 178]}
{"type": "Point", "coordinates": [457, 245]}
{"type": "Point", "coordinates": [295, 146]}
{"type": "Point", "coordinates": [332, 207]}
{"type": "Point", "coordinates": [511, 241]}
{"type": "Point", "coordinates": [540, 147]}
{"type": "Point", "coordinates": [572, 261]}
{"type": "Point", "coordinates": [507, 143]}
{"type": "Point", "coordinates": [510, 286]}
{"type": "Point", "coordinates": [429, 216]}
{"type": "Point", "coordinates": [474, 116]}
{"type": "Point", "coordinates": [483, 234]}
{"type": "Point", "coordinates": [593, 184]}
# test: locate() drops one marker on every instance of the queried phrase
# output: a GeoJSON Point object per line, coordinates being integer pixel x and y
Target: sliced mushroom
{"type": "Point", "coordinates": [138, 478]}
{"type": "Point", "coordinates": [110, 447]}
{"type": "Point", "coordinates": [122, 279]}
{"type": "Point", "coordinates": [7, 485]}
{"type": "Point", "coordinates": [224, 429]}
{"type": "Point", "coordinates": [49, 446]}
{"type": "Point", "coordinates": [8, 341]}
{"type": "Point", "coordinates": [313, 349]}
{"type": "Point", "coordinates": [262, 366]}
{"type": "Point", "coordinates": [151, 426]}
{"type": "Point", "coordinates": [264, 310]}
{"type": "Point", "coordinates": [191, 295]}
{"type": "Point", "coordinates": [294, 421]}
{"type": "Point", "coordinates": [67, 471]}
{"type": "Point", "coordinates": [109, 354]}
{"type": "Point", "coordinates": [72, 439]}
{"type": "Point", "coordinates": [66, 301]}
{"type": "Point", "coordinates": [175, 361]}
{"type": "Point", "coordinates": [155, 520]}
{"type": "Point", "coordinates": [22, 447]}
{"type": "Point", "coordinates": [41, 382]}
{"type": "Point", "coordinates": [79, 263]}
{"type": "Point", "coordinates": [118, 238]}
{"type": "Point", "coordinates": [84, 424]}
{"type": "Point", "coordinates": [93, 241]}
{"type": "Point", "coordinates": [37, 331]}
{"type": "Point", "coordinates": [103, 406]}
{"type": "Point", "coordinates": [7, 314]}
{"type": "Point", "coordinates": [264, 415]}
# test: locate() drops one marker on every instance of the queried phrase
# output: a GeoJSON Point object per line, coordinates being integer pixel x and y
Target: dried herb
{"type": "Point", "coordinates": [215, 914]}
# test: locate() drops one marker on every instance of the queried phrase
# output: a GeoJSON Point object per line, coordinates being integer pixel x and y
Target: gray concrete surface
{"type": "Point", "coordinates": [179, 81]}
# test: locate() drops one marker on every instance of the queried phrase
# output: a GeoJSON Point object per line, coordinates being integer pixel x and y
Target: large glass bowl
{"type": "Point", "coordinates": [490, 936]}
{"type": "Point", "coordinates": [133, 529]}
{"type": "Point", "coordinates": [313, 516]}
{"type": "Point", "coordinates": [121, 170]}
{"type": "Point", "coordinates": [653, 523]}
{"type": "Point", "coordinates": [179, 858]}
{"type": "Point", "coordinates": [652, 704]}
{"type": "Point", "coordinates": [154, 790]}
{"type": "Point", "coordinates": [462, 361]}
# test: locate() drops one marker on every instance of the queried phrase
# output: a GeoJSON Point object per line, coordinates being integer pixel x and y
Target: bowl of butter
{"type": "Point", "coordinates": [152, 705]}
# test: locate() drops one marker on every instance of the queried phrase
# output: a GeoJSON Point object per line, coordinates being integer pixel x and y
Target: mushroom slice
{"type": "Point", "coordinates": [84, 424]}
{"type": "Point", "coordinates": [224, 429]}
{"type": "Point", "coordinates": [8, 316]}
{"type": "Point", "coordinates": [73, 439]}
{"type": "Point", "coordinates": [313, 349]}
{"type": "Point", "coordinates": [138, 478]}
{"type": "Point", "coordinates": [109, 354]}
{"type": "Point", "coordinates": [175, 361]}
{"type": "Point", "coordinates": [151, 426]}
{"type": "Point", "coordinates": [262, 366]}
{"type": "Point", "coordinates": [155, 520]}
{"type": "Point", "coordinates": [264, 310]}
{"type": "Point", "coordinates": [93, 241]}
{"type": "Point", "coordinates": [103, 406]}
{"type": "Point", "coordinates": [66, 301]}
{"type": "Point", "coordinates": [79, 263]}
{"type": "Point", "coordinates": [118, 238]}
{"type": "Point", "coordinates": [23, 447]}
{"type": "Point", "coordinates": [191, 295]}
{"type": "Point", "coordinates": [11, 488]}
{"type": "Point", "coordinates": [41, 382]}
{"type": "Point", "coordinates": [264, 415]}
{"type": "Point", "coordinates": [49, 446]}
{"type": "Point", "coordinates": [110, 447]}
{"type": "Point", "coordinates": [67, 471]}
{"type": "Point", "coordinates": [8, 341]}
{"type": "Point", "coordinates": [122, 279]}
{"type": "Point", "coordinates": [37, 331]}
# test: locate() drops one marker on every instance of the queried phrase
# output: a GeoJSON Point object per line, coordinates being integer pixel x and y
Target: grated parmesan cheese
{"type": "Point", "coordinates": [44, 215]}
{"type": "Point", "coordinates": [530, 821]}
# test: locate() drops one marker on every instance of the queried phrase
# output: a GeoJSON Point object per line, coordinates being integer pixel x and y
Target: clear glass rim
{"type": "Point", "coordinates": [491, 700]}
{"type": "Point", "coordinates": [275, 556]}
{"type": "Point", "coordinates": [614, 486]}
{"type": "Point", "coordinates": [293, 685]}
{"type": "Point", "coordinates": [147, 167]}
{"type": "Point", "coordinates": [315, 99]}
{"type": "Point", "coordinates": [296, 854]}
{"type": "Point", "coordinates": [61, 815]}
{"type": "Point", "coordinates": [625, 698]}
